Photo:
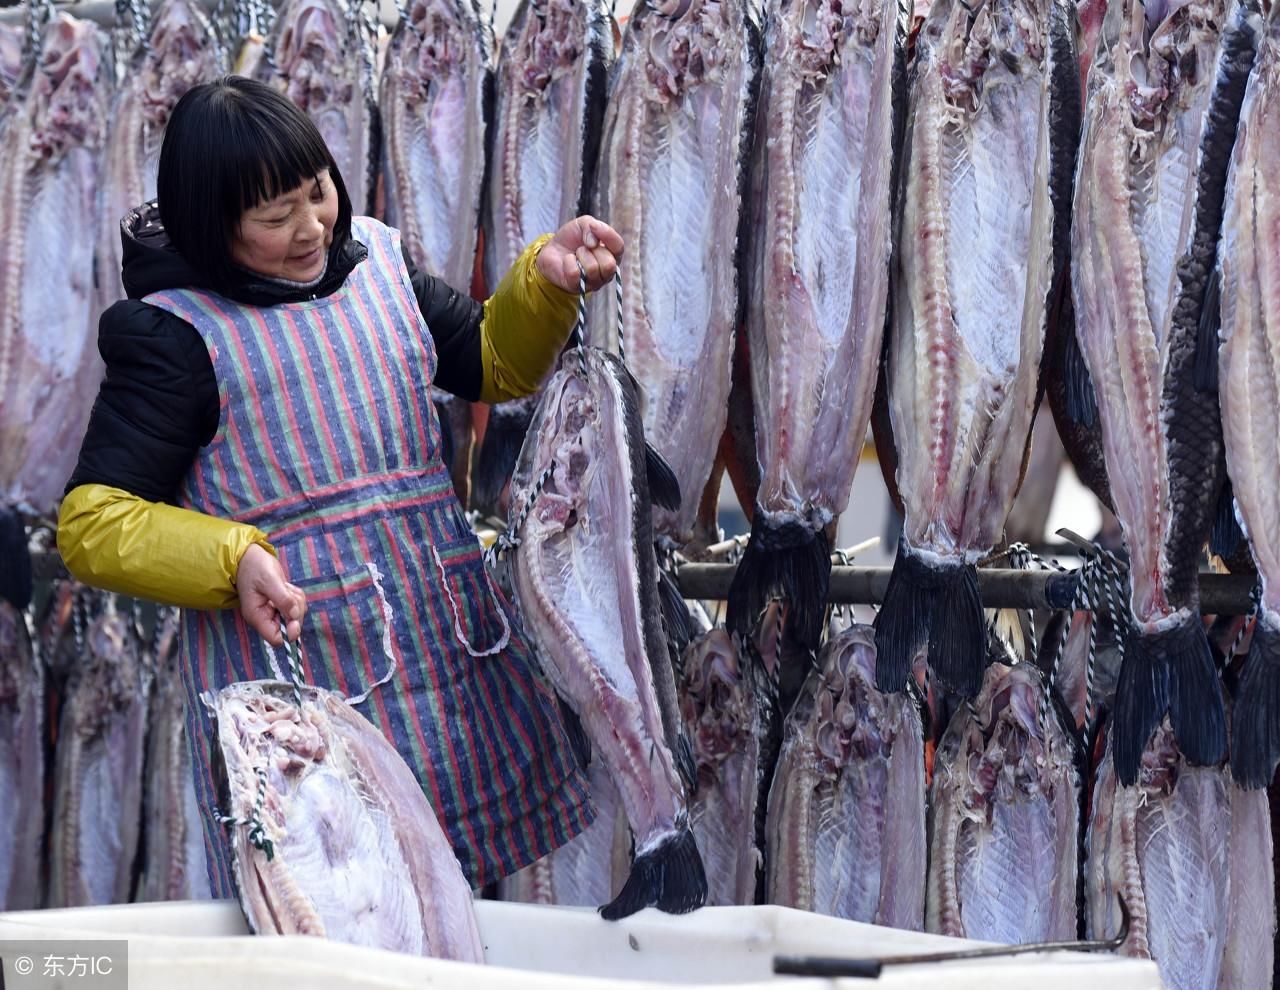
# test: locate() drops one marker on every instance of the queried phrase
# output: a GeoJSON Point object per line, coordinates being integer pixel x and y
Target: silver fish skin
{"type": "Point", "coordinates": [323, 61]}
{"type": "Point", "coordinates": [357, 853]}
{"type": "Point", "coordinates": [1165, 90]}
{"type": "Point", "coordinates": [585, 576]}
{"type": "Point", "coordinates": [832, 94]}
{"type": "Point", "coordinates": [98, 759]}
{"type": "Point", "coordinates": [22, 742]}
{"type": "Point", "coordinates": [1249, 957]}
{"type": "Point", "coordinates": [987, 151]}
{"type": "Point", "coordinates": [49, 184]}
{"type": "Point", "coordinates": [586, 870]}
{"type": "Point", "coordinates": [1163, 844]}
{"type": "Point", "coordinates": [1005, 817]}
{"type": "Point", "coordinates": [182, 51]}
{"type": "Point", "coordinates": [436, 91]}
{"type": "Point", "coordinates": [846, 816]}
{"type": "Point", "coordinates": [173, 857]}
{"type": "Point", "coordinates": [718, 704]}
{"type": "Point", "coordinates": [1247, 384]}
{"type": "Point", "coordinates": [673, 168]}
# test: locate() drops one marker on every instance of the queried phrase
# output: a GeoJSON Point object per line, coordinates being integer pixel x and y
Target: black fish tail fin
{"type": "Point", "coordinates": [664, 486]}
{"type": "Point", "coordinates": [499, 451]}
{"type": "Point", "coordinates": [902, 624]}
{"type": "Point", "coordinates": [788, 559]}
{"type": "Point", "coordinates": [15, 560]}
{"type": "Point", "coordinates": [669, 877]}
{"type": "Point", "coordinates": [1170, 671]}
{"type": "Point", "coordinates": [933, 604]}
{"type": "Point", "coordinates": [1226, 536]}
{"type": "Point", "coordinates": [958, 633]}
{"type": "Point", "coordinates": [1255, 718]}
{"type": "Point", "coordinates": [1196, 709]}
{"type": "Point", "coordinates": [686, 763]}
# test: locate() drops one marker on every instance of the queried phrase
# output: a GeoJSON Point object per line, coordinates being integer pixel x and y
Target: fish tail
{"type": "Point", "coordinates": [1255, 718]}
{"type": "Point", "coordinates": [1170, 671]}
{"type": "Point", "coordinates": [787, 559]}
{"type": "Point", "coordinates": [503, 438]}
{"type": "Point", "coordinates": [934, 605]}
{"type": "Point", "coordinates": [15, 575]}
{"type": "Point", "coordinates": [1082, 403]}
{"type": "Point", "coordinates": [669, 877]}
{"type": "Point", "coordinates": [1226, 536]}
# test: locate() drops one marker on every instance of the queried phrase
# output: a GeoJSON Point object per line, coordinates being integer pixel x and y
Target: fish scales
{"type": "Point", "coordinates": [846, 816]}
{"type": "Point", "coordinates": [987, 159]}
{"type": "Point", "coordinates": [1164, 96]}
{"type": "Point", "coordinates": [1249, 394]}
{"type": "Point", "coordinates": [49, 185]}
{"type": "Point", "coordinates": [719, 709]}
{"type": "Point", "coordinates": [22, 760]}
{"type": "Point", "coordinates": [436, 100]}
{"type": "Point", "coordinates": [1163, 845]}
{"type": "Point", "coordinates": [98, 760]}
{"type": "Point", "coordinates": [831, 101]}
{"type": "Point", "coordinates": [358, 854]}
{"type": "Point", "coordinates": [320, 54]}
{"type": "Point", "coordinates": [585, 576]}
{"type": "Point", "coordinates": [549, 100]}
{"type": "Point", "coordinates": [672, 173]}
{"type": "Point", "coordinates": [181, 52]}
{"type": "Point", "coordinates": [1005, 806]}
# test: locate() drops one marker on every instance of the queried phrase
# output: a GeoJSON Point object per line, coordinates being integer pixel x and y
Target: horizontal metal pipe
{"type": "Point", "coordinates": [1220, 594]}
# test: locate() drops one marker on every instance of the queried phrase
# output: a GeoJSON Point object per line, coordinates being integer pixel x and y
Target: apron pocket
{"type": "Point", "coordinates": [480, 623]}
{"type": "Point", "coordinates": [346, 633]}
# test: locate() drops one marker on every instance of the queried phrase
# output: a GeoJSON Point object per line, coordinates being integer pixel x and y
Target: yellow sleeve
{"type": "Point", "coordinates": [117, 541]}
{"type": "Point", "coordinates": [526, 323]}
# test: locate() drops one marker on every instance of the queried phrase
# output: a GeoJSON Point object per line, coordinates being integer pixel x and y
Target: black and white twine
{"type": "Point", "coordinates": [257, 831]}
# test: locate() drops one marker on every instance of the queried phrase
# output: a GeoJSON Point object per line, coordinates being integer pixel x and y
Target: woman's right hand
{"type": "Point", "coordinates": [266, 594]}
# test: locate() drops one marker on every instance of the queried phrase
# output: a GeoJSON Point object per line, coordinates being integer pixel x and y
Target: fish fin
{"type": "Point", "coordinates": [1207, 335]}
{"type": "Point", "coordinates": [503, 438]}
{"type": "Point", "coordinates": [15, 575]}
{"type": "Point", "coordinates": [1196, 709]}
{"type": "Point", "coordinates": [664, 487]}
{"type": "Point", "coordinates": [958, 632]}
{"type": "Point", "coordinates": [669, 877]}
{"type": "Point", "coordinates": [1226, 536]}
{"type": "Point", "coordinates": [675, 618]}
{"type": "Point", "coordinates": [1255, 718]}
{"type": "Point", "coordinates": [902, 624]}
{"type": "Point", "coordinates": [686, 764]}
{"type": "Point", "coordinates": [1082, 404]}
{"type": "Point", "coordinates": [789, 560]}
{"type": "Point", "coordinates": [1141, 701]}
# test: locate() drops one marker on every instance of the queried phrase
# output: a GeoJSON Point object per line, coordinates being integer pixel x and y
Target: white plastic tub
{"type": "Point", "coordinates": [205, 946]}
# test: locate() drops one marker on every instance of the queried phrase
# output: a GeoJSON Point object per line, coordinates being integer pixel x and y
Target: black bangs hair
{"type": "Point", "coordinates": [230, 145]}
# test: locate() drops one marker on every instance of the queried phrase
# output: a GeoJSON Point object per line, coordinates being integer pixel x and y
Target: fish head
{"type": "Point", "coordinates": [992, 37]}
{"type": "Point", "coordinates": [715, 699]}
{"type": "Point", "coordinates": [548, 44]}
{"type": "Point", "coordinates": [685, 46]}
{"type": "Point", "coordinates": [851, 716]}
{"type": "Point", "coordinates": [66, 95]}
{"type": "Point", "coordinates": [182, 55]}
{"type": "Point", "coordinates": [1009, 749]}
{"type": "Point", "coordinates": [311, 37]}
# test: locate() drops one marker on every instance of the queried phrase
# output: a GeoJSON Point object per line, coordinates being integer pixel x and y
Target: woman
{"type": "Point", "coordinates": [264, 446]}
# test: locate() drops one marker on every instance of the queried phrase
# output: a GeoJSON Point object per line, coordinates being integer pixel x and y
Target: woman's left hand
{"type": "Point", "coordinates": [583, 240]}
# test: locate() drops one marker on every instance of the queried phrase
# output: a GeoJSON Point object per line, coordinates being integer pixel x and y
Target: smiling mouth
{"type": "Point", "coordinates": [311, 255]}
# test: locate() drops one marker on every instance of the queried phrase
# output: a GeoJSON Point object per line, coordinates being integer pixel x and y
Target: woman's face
{"type": "Point", "coordinates": [288, 237]}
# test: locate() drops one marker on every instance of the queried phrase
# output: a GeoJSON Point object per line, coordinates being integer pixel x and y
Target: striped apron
{"type": "Point", "coordinates": [328, 441]}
